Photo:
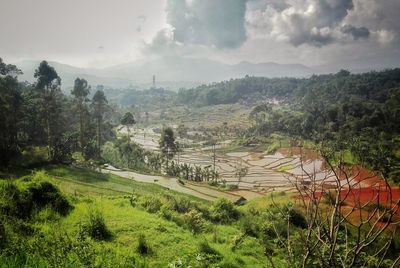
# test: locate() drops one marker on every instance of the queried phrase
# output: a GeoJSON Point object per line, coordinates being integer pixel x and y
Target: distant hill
{"type": "Point", "coordinates": [171, 72]}
{"type": "Point", "coordinates": [68, 74]}
{"type": "Point", "coordinates": [203, 70]}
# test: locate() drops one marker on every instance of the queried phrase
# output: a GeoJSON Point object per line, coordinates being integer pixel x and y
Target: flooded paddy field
{"type": "Point", "coordinates": [265, 172]}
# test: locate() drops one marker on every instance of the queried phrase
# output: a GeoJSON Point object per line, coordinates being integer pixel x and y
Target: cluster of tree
{"type": "Point", "coordinates": [372, 86]}
{"type": "Point", "coordinates": [235, 90]}
{"type": "Point", "coordinates": [142, 99]}
{"type": "Point", "coordinates": [40, 115]}
{"type": "Point", "coordinates": [169, 147]}
{"type": "Point", "coordinates": [360, 110]}
{"type": "Point", "coordinates": [127, 154]}
{"type": "Point", "coordinates": [191, 173]}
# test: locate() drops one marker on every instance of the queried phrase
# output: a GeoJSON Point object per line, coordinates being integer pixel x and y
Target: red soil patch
{"type": "Point", "coordinates": [382, 195]}
{"type": "Point", "coordinates": [368, 199]}
{"type": "Point", "coordinates": [374, 195]}
{"type": "Point", "coordinates": [364, 176]}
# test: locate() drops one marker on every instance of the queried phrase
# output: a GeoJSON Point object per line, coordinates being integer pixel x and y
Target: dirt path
{"type": "Point", "coordinates": [194, 189]}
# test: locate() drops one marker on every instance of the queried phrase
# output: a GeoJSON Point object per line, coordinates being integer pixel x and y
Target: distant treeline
{"type": "Point", "coordinates": [146, 99]}
{"type": "Point", "coordinates": [372, 86]}
{"type": "Point", "coordinates": [368, 86]}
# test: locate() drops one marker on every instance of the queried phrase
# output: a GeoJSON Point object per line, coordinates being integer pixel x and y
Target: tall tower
{"type": "Point", "coordinates": [154, 81]}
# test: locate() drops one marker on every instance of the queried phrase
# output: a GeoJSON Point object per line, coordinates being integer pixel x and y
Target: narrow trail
{"type": "Point", "coordinates": [195, 189]}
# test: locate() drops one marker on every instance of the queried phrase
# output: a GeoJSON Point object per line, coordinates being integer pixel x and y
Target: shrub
{"type": "Point", "coordinates": [269, 231]}
{"type": "Point", "coordinates": [297, 219]}
{"type": "Point", "coordinates": [14, 202]}
{"type": "Point", "coordinates": [204, 247]}
{"type": "Point", "coordinates": [230, 187]}
{"type": "Point", "coordinates": [195, 221]}
{"type": "Point", "coordinates": [250, 226]}
{"type": "Point", "coordinates": [142, 247]}
{"type": "Point", "coordinates": [237, 240]}
{"type": "Point", "coordinates": [210, 254]}
{"type": "Point", "coordinates": [224, 211]}
{"type": "Point", "coordinates": [19, 199]}
{"type": "Point", "coordinates": [228, 264]}
{"type": "Point", "coordinates": [2, 235]}
{"type": "Point", "coordinates": [150, 203]}
{"type": "Point", "coordinates": [173, 216]}
{"type": "Point", "coordinates": [180, 204]}
{"type": "Point", "coordinates": [213, 183]}
{"type": "Point", "coordinates": [44, 193]}
{"type": "Point", "coordinates": [95, 226]}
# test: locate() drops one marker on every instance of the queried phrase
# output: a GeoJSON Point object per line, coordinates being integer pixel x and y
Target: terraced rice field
{"type": "Point", "coordinates": [265, 172]}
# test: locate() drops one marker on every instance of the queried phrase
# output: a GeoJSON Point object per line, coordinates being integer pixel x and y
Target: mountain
{"type": "Point", "coordinates": [204, 70]}
{"type": "Point", "coordinates": [170, 72]}
{"type": "Point", "coordinates": [68, 74]}
{"type": "Point", "coordinates": [270, 69]}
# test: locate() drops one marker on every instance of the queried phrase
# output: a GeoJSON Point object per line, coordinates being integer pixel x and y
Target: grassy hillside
{"type": "Point", "coordinates": [59, 216]}
{"type": "Point", "coordinates": [135, 225]}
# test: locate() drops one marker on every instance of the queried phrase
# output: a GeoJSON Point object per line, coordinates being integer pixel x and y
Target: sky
{"type": "Point", "coordinates": [101, 33]}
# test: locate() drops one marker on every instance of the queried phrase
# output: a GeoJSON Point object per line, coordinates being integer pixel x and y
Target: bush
{"type": "Point", "coordinates": [44, 193]}
{"type": "Point", "coordinates": [230, 187]}
{"type": "Point", "coordinates": [224, 211]}
{"type": "Point", "coordinates": [269, 231]}
{"type": "Point", "coordinates": [297, 219]}
{"type": "Point", "coordinates": [180, 204]}
{"type": "Point", "coordinates": [205, 248]}
{"type": "Point", "coordinates": [21, 198]}
{"type": "Point", "coordinates": [142, 247]}
{"type": "Point", "coordinates": [150, 203]}
{"type": "Point", "coordinates": [173, 216]}
{"type": "Point", "coordinates": [210, 254]}
{"type": "Point", "coordinates": [14, 202]}
{"type": "Point", "coordinates": [195, 221]}
{"type": "Point", "coordinates": [250, 226]}
{"type": "Point", "coordinates": [95, 227]}
{"type": "Point", "coordinates": [2, 235]}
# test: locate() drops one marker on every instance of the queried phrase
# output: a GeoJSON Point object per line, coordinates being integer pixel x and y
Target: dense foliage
{"type": "Point", "coordinates": [40, 115]}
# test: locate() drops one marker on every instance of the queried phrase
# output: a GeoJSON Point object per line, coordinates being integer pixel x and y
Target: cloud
{"type": "Point", "coordinates": [312, 22]}
{"type": "Point", "coordinates": [163, 40]}
{"type": "Point", "coordinates": [381, 18]}
{"type": "Point", "coordinates": [314, 32]}
{"type": "Point", "coordinates": [356, 32]}
{"type": "Point", "coordinates": [214, 23]}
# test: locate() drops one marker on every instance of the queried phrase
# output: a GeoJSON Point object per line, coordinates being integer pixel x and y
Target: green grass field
{"type": "Point", "coordinates": [169, 239]}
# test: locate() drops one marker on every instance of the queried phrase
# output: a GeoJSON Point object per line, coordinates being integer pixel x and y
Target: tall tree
{"type": "Point", "coordinates": [167, 144]}
{"type": "Point", "coordinates": [80, 92]}
{"type": "Point", "coordinates": [48, 83]}
{"type": "Point", "coordinates": [128, 120]}
{"type": "Point", "coordinates": [99, 105]}
{"type": "Point", "coordinates": [10, 112]}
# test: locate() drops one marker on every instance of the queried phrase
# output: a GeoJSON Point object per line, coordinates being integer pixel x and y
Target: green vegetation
{"type": "Point", "coordinates": [108, 221]}
{"type": "Point", "coordinates": [110, 228]}
{"type": "Point", "coordinates": [65, 214]}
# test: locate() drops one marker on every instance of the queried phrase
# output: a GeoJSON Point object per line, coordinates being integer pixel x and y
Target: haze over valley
{"type": "Point", "coordinates": [200, 133]}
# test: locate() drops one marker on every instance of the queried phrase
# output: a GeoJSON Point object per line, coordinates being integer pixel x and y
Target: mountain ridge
{"type": "Point", "coordinates": [168, 70]}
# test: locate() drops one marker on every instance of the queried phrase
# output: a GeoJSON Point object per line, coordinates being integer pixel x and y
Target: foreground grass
{"type": "Point", "coordinates": [169, 242]}
{"type": "Point", "coordinates": [57, 240]}
{"type": "Point", "coordinates": [83, 182]}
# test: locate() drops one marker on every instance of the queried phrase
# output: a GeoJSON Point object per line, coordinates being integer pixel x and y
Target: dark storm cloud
{"type": "Point", "coordinates": [315, 25]}
{"type": "Point", "coordinates": [218, 23]}
{"type": "Point", "coordinates": [356, 32]}
{"type": "Point", "coordinates": [312, 22]}
{"type": "Point", "coordinates": [331, 12]}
